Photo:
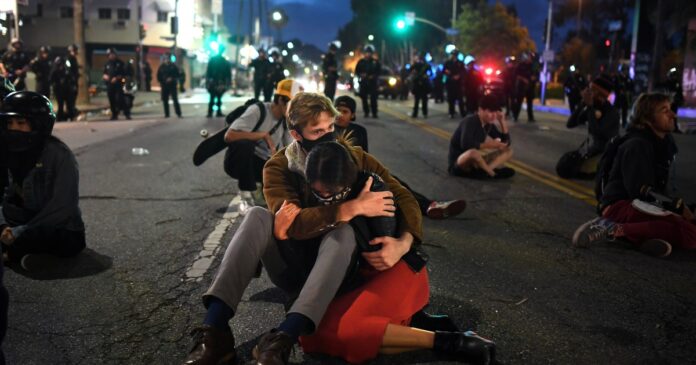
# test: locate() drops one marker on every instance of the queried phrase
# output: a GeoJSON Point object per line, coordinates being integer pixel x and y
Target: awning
{"type": "Point", "coordinates": [164, 5]}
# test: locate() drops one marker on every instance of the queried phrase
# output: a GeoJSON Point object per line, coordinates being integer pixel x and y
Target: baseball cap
{"type": "Point", "coordinates": [289, 88]}
{"type": "Point", "coordinates": [490, 102]}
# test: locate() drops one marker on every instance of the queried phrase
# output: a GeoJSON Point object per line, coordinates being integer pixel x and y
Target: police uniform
{"type": "Point", "coordinates": [525, 88]}
{"type": "Point", "coordinates": [14, 61]}
{"type": "Point", "coordinates": [262, 74]}
{"type": "Point", "coordinates": [218, 78]}
{"type": "Point", "coordinates": [168, 76]}
{"type": "Point", "coordinates": [420, 86]}
{"type": "Point", "coordinates": [41, 67]}
{"type": "Point", "coordinates": [573, 87]}
{"type": "Point", "coordinates": [368, 69]}
{"type": "Point", "coordinates": [116, 71]}
{"type": "Point", "coordinates": [453, 70]}
{"type": "Point", "coordinates": [64, 84]}
{"type": "Point", "coordinates": [329, 67]}
{"type": "Point", "coordinates": [277, 74]}
{"type": "Point", "coordinates": [472, 85]}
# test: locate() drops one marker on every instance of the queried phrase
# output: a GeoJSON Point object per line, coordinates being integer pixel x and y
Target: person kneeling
{"type": "Point", "coordinates": [40, 213]}
{"type": "Point", "coordinates": [477, 148]}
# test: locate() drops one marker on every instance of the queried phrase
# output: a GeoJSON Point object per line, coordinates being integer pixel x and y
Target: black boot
{"type": "Point", "coordinates": [466, 346]}
{"type": "Point", "coordinates": [433, 322]}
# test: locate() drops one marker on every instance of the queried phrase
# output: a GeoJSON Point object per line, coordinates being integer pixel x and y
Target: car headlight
{"type": "Point", "coordinates": [392, 81]}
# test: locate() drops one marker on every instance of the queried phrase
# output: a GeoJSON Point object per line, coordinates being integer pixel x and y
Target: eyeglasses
{"type": "Point", "coordinates": [333, 199]}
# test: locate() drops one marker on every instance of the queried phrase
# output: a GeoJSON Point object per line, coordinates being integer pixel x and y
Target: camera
{"type": "Point", "coordinates": [675, 205]}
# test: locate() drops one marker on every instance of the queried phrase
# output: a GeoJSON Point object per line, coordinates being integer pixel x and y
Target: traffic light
{"type": "Point", "coordinates": [213, 43]}
{"type": "Point", "coordinates": [143, 31]}
{"type": "Point", "coordinates": [607, 42]}
{"type": "Point", "coordinates": [400, 25]}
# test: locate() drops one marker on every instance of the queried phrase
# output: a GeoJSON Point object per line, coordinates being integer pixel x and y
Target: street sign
{"type": "Point", "coordinates": [216, 7]}
{"type": "Point", "coordinates": [549, 55]}
{"type": "Point", "coordinates": [410, 18]}
{"type": "Point", "coordinates": [615, 26]}
{"type": "Point", "coordinates": [452, 32]}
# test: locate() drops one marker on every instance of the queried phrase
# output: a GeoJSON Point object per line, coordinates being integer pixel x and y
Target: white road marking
{"type": "Point", "coordinates": [211, 245]}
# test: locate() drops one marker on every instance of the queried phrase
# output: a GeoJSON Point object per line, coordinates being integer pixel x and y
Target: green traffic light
{"type": "Point", "coordinates": [400, 24]}
{"type": "Point", "coordinates": [214, 46]}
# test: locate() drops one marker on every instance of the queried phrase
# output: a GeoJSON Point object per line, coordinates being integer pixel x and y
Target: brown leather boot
{"type": "Point", "coordinates": [211, 347]}
{"type": "Point", "coordinates": [274, 348]}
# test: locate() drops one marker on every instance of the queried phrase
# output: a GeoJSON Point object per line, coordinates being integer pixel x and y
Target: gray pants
{"type": "Point", "coordinates": [254, 241]}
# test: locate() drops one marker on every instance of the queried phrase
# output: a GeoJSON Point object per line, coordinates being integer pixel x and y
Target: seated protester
{"type": "Point", "coordinates": [312, 264]}
{"type": "Point", "coordinates": [603, 123]}
{"type": "Point", "coordinates": [478, 147]}
{"type": "Point", "coordinates": [639, 173]}
{"type": "Point", "coordinates": [251, 144]}
{"type": "Point", "coordinates": [40, 213]}
{"type": "Point", "coordinates": [357, 327]}
{"type": "Point", "coordinates": [357, 135]}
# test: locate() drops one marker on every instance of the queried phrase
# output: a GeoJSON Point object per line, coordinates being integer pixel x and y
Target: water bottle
{"type": "Point", "coordinates": [139, 151]}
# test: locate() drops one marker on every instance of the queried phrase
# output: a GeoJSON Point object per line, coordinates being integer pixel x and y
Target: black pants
{"type": "Point", "coordinates": [215, 99]}
{"type": "Point", "coordinates": [4, 302]}
{"type": "Point", "coordinates": [472, 103]}
{"type": "Point", "coordinates": [3, 183]}
{"type": "Point", "coordinates": [167, 92]}
{"type": "Point", "coordinates": [369, 92]}
{"type": "Point", "coordinates": [43, 240]}
{"type": "Point", "coordinates": [423, 201]}
{"type": "Point", "coordinates": [242, 164]}
{"type": "Point", "coordinates": [267, 92]}
{"type": "Point", "coordinates": [66, 105]}
{"type": "Point", "coordinates": [117, 101]}
{"type": "Point", "coordinates": [421, 98]}
{"type": "Point", "coordinates": [43, 87]}
{"type": "Point", "coordinates": [330, 87]}
{"type": "Point", "coordinates": [454, 95]}
{"type": "Point", "coordinates": [517, 105]}
{"type": "Point", "coordinates": [259, 87]}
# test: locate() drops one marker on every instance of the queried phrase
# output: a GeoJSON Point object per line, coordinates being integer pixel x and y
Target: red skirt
{"type": "Point", "coordinates": [355, 322]}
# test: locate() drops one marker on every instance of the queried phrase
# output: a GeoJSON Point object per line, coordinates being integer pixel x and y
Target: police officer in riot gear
{"type": "Point", "coordinates": [262, 75]}
{"type": "Point", "coordinates": [41, 67]}
{"type": "Point", "coordinates": [454, 69]}
{"type": "Point", "coordinates": [38, 163]}
{"type": "Point", "coordinates": [277, 72]}
{"type": "Point", "coordinates": [218, 78]}
{"type": "Point", "coordinates": [525, 87]}
{"type": "Point", "coordinates": [574, 84]}
{"type": "Point", "coordinates": [420, 83]}
{"type": "Point", "coordinates": [329, 66]}
{"type": "Point", "coordinates": [368, 70]}
{"type": "Point", "coordinates": [74, 67]}
{"type": "Point", "coordinates": [168, 76]}
{"type": "Point", "coordinates": [623, 90]}
{"type": "Point", "coordinates": [64, 88]}
{"type": "Point", "coordinates": [14, 64]}
{"type": "Point", "coordinates": [115, 74]}
{"type": "Point", "coordinates": [472, 82]}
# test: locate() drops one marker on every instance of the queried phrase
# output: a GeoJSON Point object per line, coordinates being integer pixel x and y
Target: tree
{"type": "Point", "coordinates": [491, 31]}
{"type": "Point", "coordinates": [579, 53]}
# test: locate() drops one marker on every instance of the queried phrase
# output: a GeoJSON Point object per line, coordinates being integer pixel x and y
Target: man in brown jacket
{"type": "Point", "coordinates": [313, 262]}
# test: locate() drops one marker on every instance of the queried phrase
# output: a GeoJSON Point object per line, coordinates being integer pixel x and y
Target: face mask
{"type": "Point", "coordinates": [307, 145]}
{"type": "Point", "coordinates": [16, 141]}
{"type": "Point", "coordinates": [333, 199]}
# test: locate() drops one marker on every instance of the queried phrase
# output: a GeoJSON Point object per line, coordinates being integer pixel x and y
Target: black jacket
{"type": "Point", "coordinates": [602, 125]}
{"type": "Point", "coordinates": [368, 70]}
{"type": "Point", "coordinates": [49, 194]}
{"type": "Point", "coordinates": [642, 160]}
{"type": "Point", "coordinates": [168, 71]}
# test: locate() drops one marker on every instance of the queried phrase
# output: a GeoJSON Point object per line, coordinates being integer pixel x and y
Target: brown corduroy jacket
{"type": "Point", "coordinates": [281, 183]}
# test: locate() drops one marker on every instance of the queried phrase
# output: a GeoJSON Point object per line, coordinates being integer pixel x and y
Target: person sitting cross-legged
{"type": "Point", "coordinates": [477, 147]}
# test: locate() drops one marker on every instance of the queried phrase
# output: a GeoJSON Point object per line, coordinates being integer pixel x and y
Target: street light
{"type": "Point", "coordinates": [291, 45]}
{"type": "Point", "coordinates": [277, 16]}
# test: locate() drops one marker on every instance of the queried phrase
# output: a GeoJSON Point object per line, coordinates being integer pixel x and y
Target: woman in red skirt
{"type": "Point", "coordinates": [375, 316]}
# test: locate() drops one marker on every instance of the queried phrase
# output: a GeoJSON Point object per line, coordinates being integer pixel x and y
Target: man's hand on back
{"type": "Point", "coordinates": [392, 251]}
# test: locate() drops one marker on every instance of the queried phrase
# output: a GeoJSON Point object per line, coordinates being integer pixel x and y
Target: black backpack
{"type": "Point", "coordinates": [607, 162]}
{"type": "Point", "coordinates": [238, 111]}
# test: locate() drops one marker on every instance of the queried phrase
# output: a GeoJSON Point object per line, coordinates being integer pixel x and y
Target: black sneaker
{"type": "Point", "coordinates": [504, 173]}
{"type": "Point", "coordinates": [656, 248]}
{"type": "Point", "coordinates": [596, 230]}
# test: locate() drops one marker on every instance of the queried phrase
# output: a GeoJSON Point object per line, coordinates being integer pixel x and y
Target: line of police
{"type": "Point", "coordinates": [60, 73]}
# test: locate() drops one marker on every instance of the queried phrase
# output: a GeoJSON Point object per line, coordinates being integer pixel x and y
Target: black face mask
{"type": "Point", "coordinates": [307, 145]}
{"type": "Point", "coordinates": [17, 141]}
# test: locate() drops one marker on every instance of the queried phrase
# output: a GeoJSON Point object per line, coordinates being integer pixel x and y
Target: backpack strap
{"type": "Point", "coordinates": [262, 109]}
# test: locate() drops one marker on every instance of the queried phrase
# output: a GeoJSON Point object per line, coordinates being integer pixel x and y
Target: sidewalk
{"type": "Point", "coordinates": [100, 102]}
{"type": "Point", "coordinates": [686, 116]}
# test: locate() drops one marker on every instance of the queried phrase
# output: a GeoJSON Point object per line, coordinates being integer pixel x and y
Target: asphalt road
{"type": "Point", "coordinates": [157, 225]}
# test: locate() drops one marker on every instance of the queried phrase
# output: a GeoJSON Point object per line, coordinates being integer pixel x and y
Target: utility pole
{"type": "Point", "coordinates": [79, 34]}
{"type": "Point", "coordinates": [544, 74]}
{"type": "Point", "coordinates": [634, 39]}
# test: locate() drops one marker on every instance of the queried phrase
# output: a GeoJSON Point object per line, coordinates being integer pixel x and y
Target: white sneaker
{"type": "Point", "coordinates": [247, 201]}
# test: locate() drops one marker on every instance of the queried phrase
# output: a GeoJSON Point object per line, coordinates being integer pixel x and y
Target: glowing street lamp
{"type": "Point", "coordinates": [277, 16]}
{"type": "Point", "coordinates": [370, 37]}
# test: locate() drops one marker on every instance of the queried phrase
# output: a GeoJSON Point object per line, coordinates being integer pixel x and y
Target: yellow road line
{"type": "Point", "coordinates": [569, 187]}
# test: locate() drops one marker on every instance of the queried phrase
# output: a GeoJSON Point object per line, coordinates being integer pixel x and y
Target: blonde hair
{"type": "Point", "coordinates": [644, 109]}
{"type": "Point", "coordinates": [305, 108]}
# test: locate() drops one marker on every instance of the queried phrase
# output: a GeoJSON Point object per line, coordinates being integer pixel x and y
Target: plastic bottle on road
{"type": "Point", "coordinates": [139, 151]}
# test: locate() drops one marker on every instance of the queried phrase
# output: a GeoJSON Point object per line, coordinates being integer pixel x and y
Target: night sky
{"type": "Point", "coordinates": [318, 21]}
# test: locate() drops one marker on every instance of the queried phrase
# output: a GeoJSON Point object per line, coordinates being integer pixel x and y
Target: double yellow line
{"type": "Point", "coordinates": [569, 187]}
